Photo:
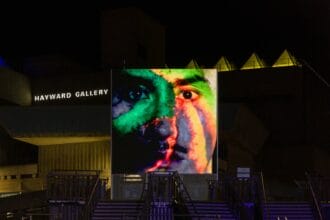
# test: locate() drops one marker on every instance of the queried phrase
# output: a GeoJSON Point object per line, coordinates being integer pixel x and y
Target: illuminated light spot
{"type": "Point", "coordinates": [3, 63]}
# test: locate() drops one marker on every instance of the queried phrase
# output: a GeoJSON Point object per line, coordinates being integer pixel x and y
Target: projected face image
{"type": "Point", "coordinates": [163, 119]}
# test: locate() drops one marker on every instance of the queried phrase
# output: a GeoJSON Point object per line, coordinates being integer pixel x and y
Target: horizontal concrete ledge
{"type": "Point", "coordinates": [51, 140]}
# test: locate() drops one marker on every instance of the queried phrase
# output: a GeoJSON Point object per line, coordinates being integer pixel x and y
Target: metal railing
{"type": "Point", "coordinates": [94, 197]}
{"type": "Point", "coordinates": [263, 198]}
{"type": "Point", "coordinates": [315, 188]}
{"type": "Point", "coordinates": [70, 185]}
{"type": "Point", "coordinates": [23, 203]}
{"type": "Point", "coordinates": [165, 188]}
{"type": "Point", "coordinates": [74, 193]}
{"type": "Point", "coordinates": [238, 191]}
{"type": "Point", "coordinates": [181, 193]}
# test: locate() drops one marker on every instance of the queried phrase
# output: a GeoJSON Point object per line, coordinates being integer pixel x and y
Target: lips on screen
{"type": "Point", "coordinates": [164, 120]}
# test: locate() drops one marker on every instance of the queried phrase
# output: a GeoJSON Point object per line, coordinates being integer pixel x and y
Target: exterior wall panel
{"type": "Point", "coordinates": [78, 156]}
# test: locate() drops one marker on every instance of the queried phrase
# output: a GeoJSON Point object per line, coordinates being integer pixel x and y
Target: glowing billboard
{"type": "Point", "coordinates": [164, 119]}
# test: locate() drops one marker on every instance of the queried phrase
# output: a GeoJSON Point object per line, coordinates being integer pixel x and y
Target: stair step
{"type": "Point", "coordinates": [291, 210]}
{"type": "Point", "coordinates": [210, 211]}
{"type": "Point", "coordinates": [129, 210]}
{"type": "Point", "coordinates": [290, 218]}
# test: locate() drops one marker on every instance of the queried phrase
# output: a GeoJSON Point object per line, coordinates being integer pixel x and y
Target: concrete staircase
{"type": "Point", "coordinates": [288, 211]}
{"type": "Point", "coordinates": [112, 210]}
{"type": "Point", "coordinates": [211, 210]}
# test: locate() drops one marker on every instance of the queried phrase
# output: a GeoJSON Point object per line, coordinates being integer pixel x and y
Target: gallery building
{"type": "Point", "coordinates": [55, 116]}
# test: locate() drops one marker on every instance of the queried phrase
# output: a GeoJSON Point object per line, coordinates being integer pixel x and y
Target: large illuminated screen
{"type": "Point", "coordinates": [164, 119]}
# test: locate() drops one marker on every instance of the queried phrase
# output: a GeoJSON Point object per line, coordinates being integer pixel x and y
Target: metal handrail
{"type": "Point", "coordinates": [264, 193]}
{"type": "Point", "coordinates": [66, 184]}
{"type": "Point", "coordinates": [177, 177]}
{"type": "Point", "coordinates": [231, 195]}
{"type": "Point", "coordinates": [316, 203]}
{"type": "Point", "coordinates": [145, 196]}
{"type": "Point", "coordinates": [263, 186]}
{"type": "Point", "coordinates": [87, 208]}
{"type": "Point", "coordinates": [179, 187]}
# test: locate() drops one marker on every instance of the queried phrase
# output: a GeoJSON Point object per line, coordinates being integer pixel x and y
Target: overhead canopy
{"type": "Point", "coordinates": [52, 140]}
{"type": "Point", "coordinates": [57, 125]}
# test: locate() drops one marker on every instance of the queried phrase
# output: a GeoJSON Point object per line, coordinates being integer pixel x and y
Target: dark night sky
{"type": "Point", "coordinates": [204, 30]}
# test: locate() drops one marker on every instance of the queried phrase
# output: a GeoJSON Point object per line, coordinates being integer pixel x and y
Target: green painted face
{"type": "Point", "coordinates": [150, 96]}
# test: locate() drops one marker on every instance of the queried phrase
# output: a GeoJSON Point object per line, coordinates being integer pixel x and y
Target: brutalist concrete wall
{"type": "Point", "coordinates": [126, 187]}
{"type": "Point", "coordinates": [130, 187]}
{"type": "Point", "coordinates": [198, 185]}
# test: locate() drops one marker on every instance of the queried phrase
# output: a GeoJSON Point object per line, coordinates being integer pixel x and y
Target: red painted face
{"type": "Point", "coordinates": [192, 130]}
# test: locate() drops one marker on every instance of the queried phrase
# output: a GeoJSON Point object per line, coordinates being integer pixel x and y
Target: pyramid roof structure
{"type": "Point", "coordinates": [286, 59]}
{"type": "Point", "coordinates": [224, 65]}
{"type": "Point", "coordinates": [254, 62]}
{"type": "Point", "coordinates": [192, 64]}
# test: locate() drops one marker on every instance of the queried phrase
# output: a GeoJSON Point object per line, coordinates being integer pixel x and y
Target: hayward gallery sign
{"type": "Point", "coordinates": [70, 95]}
